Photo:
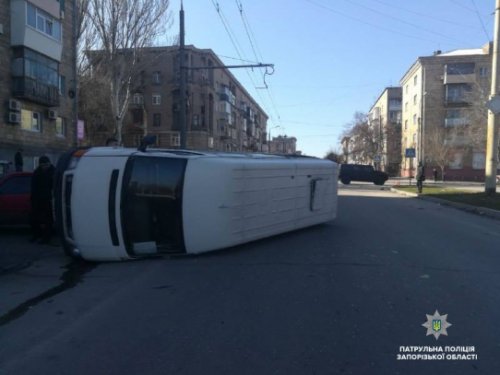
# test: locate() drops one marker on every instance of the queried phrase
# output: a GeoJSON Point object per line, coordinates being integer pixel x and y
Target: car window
{"type": "Point", "coordinates": [16, 185]}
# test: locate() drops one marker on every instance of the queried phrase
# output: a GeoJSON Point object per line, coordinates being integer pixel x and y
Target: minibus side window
{"type": "Point", "coordinates": [151, 205]}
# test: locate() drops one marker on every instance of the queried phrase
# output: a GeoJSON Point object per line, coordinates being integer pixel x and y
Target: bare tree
{"type": "Point", "coordinates": [117, 31]}
{"type": "Point", "coordinates": [363, 144]}
{"type": "Point", "coordinates": [335, 156]}
{"type": "Point", "coordinates": [439, 147]}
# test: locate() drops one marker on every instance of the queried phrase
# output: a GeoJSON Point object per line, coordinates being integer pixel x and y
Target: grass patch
{"type": "Point", "coordinates": [457, 195]}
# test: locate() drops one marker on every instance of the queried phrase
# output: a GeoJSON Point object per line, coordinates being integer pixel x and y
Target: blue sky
{"type": "Point", "coordinates": [332, 57]}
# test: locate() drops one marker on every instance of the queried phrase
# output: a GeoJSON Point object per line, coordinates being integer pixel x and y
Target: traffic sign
{"type": "Point", "coordinates": [494, 104]}
{"type": "Point", "coordinates": [410, 153]}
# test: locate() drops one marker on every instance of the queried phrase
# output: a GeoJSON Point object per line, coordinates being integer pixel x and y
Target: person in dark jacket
{"type": "Point", "coordinates": [420, 177]}
{"type": "Point", "coordinates": [42, 184]}
{"type": "Point", "coordinates": [18, 160]}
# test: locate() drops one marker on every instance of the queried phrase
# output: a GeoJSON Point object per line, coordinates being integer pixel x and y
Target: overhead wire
{"type": "Point", "coordinates": [402, 20]}
{"type": "Point", "coordinates": [235, 45]}
{"type": "Point", "coordinates": [257, 54]}
{"type": "Point", "coordinates": [463, 6]}
{"type": "Point", "coordinates": [481, 20]}
{"type": "Point", "coordinates": [423, 14]}
{"type": "Point", "coordinates": [377, 26]}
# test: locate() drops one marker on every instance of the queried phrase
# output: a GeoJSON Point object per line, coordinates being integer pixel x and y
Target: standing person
{"type": "Point", "coordinates": [435, 173]}
{"type": "Point", "coordinates": [42, 184]}
{"type": "Point", "coordinates": [18, 160]}
{"type": "Point", "coordinates": [420, 177]}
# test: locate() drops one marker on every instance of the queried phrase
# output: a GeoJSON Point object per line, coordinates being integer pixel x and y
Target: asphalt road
{"type": "Point", "coordinates": [341, 298]}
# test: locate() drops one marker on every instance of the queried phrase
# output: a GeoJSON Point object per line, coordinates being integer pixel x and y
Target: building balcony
{"type": "Point", "coordinates": [226, 117]}
{"type": "Point", "coordinates": [456, 141]}
{"type": "Point", "coordinates": [451, 122]}
{"type": "Point", "coordinates": [456, 101]}
{"type": "Point", "coordinates": [395, 107]}
{"type": "Point", "coordinates": [35, 91]}
{"type": "Point", "coordinates": [459, 78]}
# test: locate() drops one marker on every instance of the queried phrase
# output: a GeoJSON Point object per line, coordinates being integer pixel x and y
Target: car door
{"type": "Point", "coordinates": [15, 200]}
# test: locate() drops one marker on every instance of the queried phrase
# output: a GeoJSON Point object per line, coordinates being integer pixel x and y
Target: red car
{"type": "Point", "coordinates": [15, 191]}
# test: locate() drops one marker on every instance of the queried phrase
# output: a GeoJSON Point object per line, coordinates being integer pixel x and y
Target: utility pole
{"type": "Point", "coordinates": [183, 78]}
{"type": "Point", "coordinates": [491, 135]}
{"type": "Point", "coordinates": [183, 83]}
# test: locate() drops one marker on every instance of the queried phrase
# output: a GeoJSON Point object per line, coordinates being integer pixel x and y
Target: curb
{"type": "Point", "coordinates": [481, 211]}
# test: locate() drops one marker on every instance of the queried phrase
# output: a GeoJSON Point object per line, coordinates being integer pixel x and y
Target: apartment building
{"type": "Point", "coordinates": [37, 79]}
{"type": "Point", "coordinates": [283, 145]}
{"type": "Point", "coordinates": [221, 114]}
{"type": "Point", "coordinates": [443, 114]}
{"type": "Point", "coordinates": [384, 119]}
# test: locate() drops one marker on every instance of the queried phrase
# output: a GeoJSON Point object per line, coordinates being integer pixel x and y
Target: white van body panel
{"type": "Point", "coordinates": [229, 201]}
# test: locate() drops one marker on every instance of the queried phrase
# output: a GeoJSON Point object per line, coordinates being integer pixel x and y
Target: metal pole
{"type": "Point", "coordinates": [491, 140]}
{"type": "Point", "coordinates": [183, 79]}
{"type": "Point", "coordinates": [422, 123]}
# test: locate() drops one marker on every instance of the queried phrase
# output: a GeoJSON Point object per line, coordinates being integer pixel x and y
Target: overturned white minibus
{"type": "Point", "coordinates": [119, 203]}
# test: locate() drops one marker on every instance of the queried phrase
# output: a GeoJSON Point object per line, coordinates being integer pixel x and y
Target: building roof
{"type": "Point", "coordinates": [388, 89]}
{"type": "Point", "coordinates": [484, 51]}
{"type": "Point", "coordinates": [465, 52]}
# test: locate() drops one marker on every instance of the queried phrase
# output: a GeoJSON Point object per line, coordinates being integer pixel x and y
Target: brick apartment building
{"type": "Point", "coordinates": [37, 79]}
{"type": "Point", "coordinates": [384, 118]}
{"type": "Point", "coordinates": [446, 93]}
{"type": "Point", "coordinates": [221, 115]}
{"type": "Point", "coordinates": [283, 145]}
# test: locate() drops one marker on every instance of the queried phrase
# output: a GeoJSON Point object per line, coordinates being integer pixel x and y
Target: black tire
{"type": "Point", "coordinates": [379, 182]}
{"type": "Point", "coordinates": [345, 180]}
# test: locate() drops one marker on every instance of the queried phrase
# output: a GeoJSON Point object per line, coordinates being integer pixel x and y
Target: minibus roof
{"type": "Point", "coordinates": [122, 151]}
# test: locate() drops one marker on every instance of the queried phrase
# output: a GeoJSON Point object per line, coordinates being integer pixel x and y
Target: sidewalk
{"type": "Point", "coordinates": [17, 253]}
{"type": "Point", "coordinates": [482, 211]}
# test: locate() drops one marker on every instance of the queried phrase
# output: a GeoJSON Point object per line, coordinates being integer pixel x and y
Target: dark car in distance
{"type": "Point", "coordinates": [15, 205]}
{"type": "Point", "coordinates": [359, 172]}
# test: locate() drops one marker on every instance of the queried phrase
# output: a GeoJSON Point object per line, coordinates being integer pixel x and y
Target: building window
{"type": "Point", "coordinates": [414, 139]}
{"type": "Point", "coordinates": [457, 162]}
{"type": "Point", "coordinates": [156, 99]}
{"type": "Point", "coordinates": [138, 99]}
{"type": "Point", "coordinates": [62, 85]}
{"type": "Point", "coordinates": [460, 68]}
{"type": "Point", "coordinates": [137, 115]}
{"type": "Point", "coordinates": [414, 119]}
{"type": "Point", "coordinates": [415, 99]}
{"type": "Point", "coordinates": [483, 71]}
{"type": "Point", "coordinates": [43, 22]}
{"type": "Point", "coordinates": [457, 93]}
{"type": "Point", "coordinates": [478, 160]}
{"type": "Point", "coordinates": [156, 78]}
{"type": "Point", "coordinates": [406, 107]}
{"type": "Point", "coordinates": [415, 80]}
{"type": "Point", "coordinates": [156, 119]}
{"type": "Point", "coordinates": [31, 120]}
{"type": "Point", "coordinates": [61, 126]}
{"type": "Point", "coordinates": [175, 140]}
{"type": "Point", "coordinates": [406, 89]}
{"type": "Point", "coordinates": [196, 121]}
